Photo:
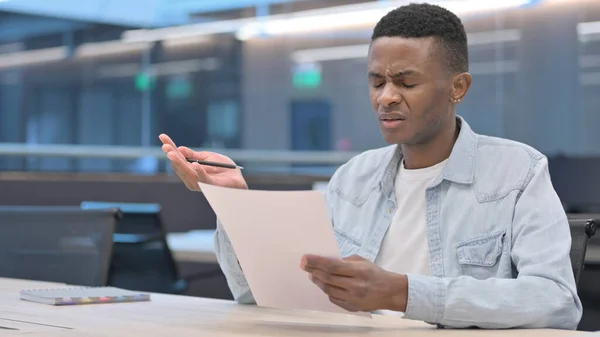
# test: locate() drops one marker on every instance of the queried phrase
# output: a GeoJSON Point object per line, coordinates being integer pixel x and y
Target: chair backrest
{"type": "Point", "coordinates": [56, 244]}
{"type": "Point", "coordinates": [581, 231]}
{"type": "Point", "coordinates": [142, 259]}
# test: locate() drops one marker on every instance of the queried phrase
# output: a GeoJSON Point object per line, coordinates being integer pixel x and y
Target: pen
{"type": "Point", "coordinates": [8, 328]}
{"type": "Point", "coordinates": [212, 163]}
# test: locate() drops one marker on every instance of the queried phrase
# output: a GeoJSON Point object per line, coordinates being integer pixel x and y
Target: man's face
{"type": "Point", "coordinates": [409, 89]}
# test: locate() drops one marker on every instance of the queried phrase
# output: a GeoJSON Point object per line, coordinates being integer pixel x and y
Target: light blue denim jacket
{"type": "Point", "coordinates": [499, 239]}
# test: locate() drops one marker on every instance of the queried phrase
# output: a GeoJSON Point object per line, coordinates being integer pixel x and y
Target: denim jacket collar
{"type": "Point", "coordinates": [459, 169]}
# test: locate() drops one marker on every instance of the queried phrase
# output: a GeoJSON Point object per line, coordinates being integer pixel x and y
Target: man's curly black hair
{"type": "Point", "coordinates": [426, 20]}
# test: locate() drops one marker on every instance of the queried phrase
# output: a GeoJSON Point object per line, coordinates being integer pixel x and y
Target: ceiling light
{"type": "Point", "coordinates": [361, 50]}
{"type": "Point", "coordinates": [338, 17]}
{"type": "Point", "coordinates": [355, 16]}
{"type": "Point", "coordinates": [30, 57]}
{"type": "Point", "coordinates": [109, 48]}
{"type": "Point", "coordinates": [187, 31]}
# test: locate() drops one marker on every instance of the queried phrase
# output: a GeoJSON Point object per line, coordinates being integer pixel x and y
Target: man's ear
{"type": "Point", "coordinates": [461, 83]}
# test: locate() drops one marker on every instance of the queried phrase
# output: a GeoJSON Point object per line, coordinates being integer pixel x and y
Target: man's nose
{"type": "Point", "coordinates": [389, 96]}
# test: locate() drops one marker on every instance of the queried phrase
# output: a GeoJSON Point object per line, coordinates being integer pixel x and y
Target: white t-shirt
{"type": "Point", "coordinates": [404, 248]}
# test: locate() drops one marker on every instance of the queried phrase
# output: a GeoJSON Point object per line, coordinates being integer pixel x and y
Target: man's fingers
{"type": "Point", "coordinates": [201, 173]}
{"type": "Point", "coordinates": [343, 304]}
{"type": "Point", "coordinates": [187, 174]}
{"type": "Point", "coordinates": [198, 155]}
{"type": "Point", "coordinates": [355, 258]}
{"type": "Point", "coordinates": [180, 168]}
{"type": "Point", "coordinates": [329, 289]}
{"type": "Point", "coordinates": [328, 265]}
{"type": "Point", "coordinates": [187, 152]}
{"type": "Point", "coordinates": [204, 155]}
{"type": "Point", "coordinates": [167, 140]}
{"type": "Point", "coordinates": [168, 145]}
{"type": "Point", "coordinates": [190, 174]}
{"type": "Point", "coordinates": [168, 148]}
{"type": "Point", "coordinates": [341, 282]}
{"type": "Point", "coordinates": [338, 296]}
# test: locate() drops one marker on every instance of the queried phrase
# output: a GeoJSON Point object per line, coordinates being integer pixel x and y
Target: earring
{"type": "Point", "coordinates": [456, 100]}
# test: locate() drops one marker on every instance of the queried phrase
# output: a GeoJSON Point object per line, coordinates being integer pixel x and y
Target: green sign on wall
{"type": "Point", "coordinates": [307, 76]}
{"type": "Point", "coordinates": [179, 87]}
{"type": "Point", "coordinates": [145, 82]}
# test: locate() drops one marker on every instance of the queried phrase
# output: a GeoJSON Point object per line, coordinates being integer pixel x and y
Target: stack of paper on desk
{"type": "Point", "coordinates": [270, 232]}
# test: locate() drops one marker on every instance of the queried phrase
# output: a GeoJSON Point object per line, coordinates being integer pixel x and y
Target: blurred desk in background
{"type": "Point", "coordinates": [193, 246]}
{"type": "Point", "coordinates": [198, 246]}
{"type": "Point", "coordinates": [181, 210]}
{"type": "Point", "coordinates": [592, 255]}
{"type": "Point", "coordinates": [194, 252]}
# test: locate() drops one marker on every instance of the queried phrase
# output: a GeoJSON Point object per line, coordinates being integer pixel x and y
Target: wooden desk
{"type": "Point", "coordinates": [193, 246]}
{"type": "Point", "coordinates": [169, 315]}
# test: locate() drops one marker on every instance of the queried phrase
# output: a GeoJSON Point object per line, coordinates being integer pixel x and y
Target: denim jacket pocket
{"type": "Point", "coordinates": [479, 256]}
{"type": "Point", "coordinates": [348, 245]}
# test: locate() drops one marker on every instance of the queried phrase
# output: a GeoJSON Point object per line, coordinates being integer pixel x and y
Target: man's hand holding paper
{"type": "Point", "coordinates": [357, 284]}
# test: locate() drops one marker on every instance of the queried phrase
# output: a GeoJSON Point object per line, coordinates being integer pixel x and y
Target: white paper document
{"type": "Point", "coordinates": [270, 232]}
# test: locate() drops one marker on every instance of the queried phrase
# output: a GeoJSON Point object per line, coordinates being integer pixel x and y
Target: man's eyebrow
{"type": "Point", "coordinates": [405, 73]}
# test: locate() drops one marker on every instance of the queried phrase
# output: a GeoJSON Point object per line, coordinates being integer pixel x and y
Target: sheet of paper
{"type": "Point", "coordinates": [270, 232]}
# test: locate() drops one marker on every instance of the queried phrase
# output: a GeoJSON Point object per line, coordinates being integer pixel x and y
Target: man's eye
{"type": "Point", "coordinates": [377, 85]}
{"type": "Point", "coordinates": [408, 86]}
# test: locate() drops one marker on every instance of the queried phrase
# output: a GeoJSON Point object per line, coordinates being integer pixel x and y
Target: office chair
{"type": "Point", "coordinates": [591, 262]}
{"type": "Point", "coordinates": [581, 231]}
{"type": "Point", "coordinates": [142, 259]}
{"type": "Point", "coordinates": [56, 244]}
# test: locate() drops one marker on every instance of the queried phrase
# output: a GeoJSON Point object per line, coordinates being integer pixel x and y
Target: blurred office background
{"type": "Point", "coordinates": [234, 74]}
{"type": "Point", "coordinates": [87, 86]}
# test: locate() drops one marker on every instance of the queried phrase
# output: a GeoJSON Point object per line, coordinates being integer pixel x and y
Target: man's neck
{"type": "Point", "coordinates": [434, 151]}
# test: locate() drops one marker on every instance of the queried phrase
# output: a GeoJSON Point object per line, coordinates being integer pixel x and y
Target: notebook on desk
{"type": "Point", "coordinates": [82, 295]}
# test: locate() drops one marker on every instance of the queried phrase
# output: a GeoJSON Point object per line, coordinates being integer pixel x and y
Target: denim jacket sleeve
{"type": "Point", "coordinates": [543, 295]}
{"type": "Point", "coordinates": [238, 285]}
